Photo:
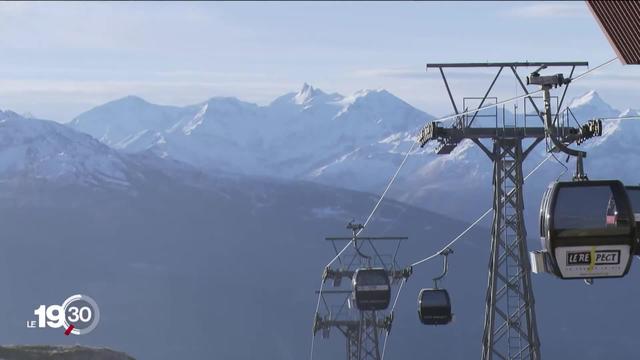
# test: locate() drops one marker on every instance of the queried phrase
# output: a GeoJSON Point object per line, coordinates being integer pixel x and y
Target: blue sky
{"type": "Point", "coordinates": [59, 59]}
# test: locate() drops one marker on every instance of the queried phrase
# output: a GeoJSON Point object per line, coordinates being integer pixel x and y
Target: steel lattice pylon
{"type": "Point", "coordinates": [352, 334]}
{"type": "Point", "coordinates": [510, 327]}
{"type": "Point", "coordinates": [369, 335]}
{"type": "Point", "coordinates": [362, 336]}
{"type": "Point", "coordinates": [510, 330]}
{"type": "Point", "coordinates": [362, 329]}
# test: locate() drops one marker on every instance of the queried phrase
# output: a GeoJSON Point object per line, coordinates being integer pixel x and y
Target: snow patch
{"type": "Point", "coordinates": [585, 99]}
{"type": "Point", "coordinates": [196, 121]}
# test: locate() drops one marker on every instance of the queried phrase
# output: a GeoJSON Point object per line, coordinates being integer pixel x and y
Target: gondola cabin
{"type": "Point", "coordinates": [434, 307]}
{"type": "Point", "coordinates": [588, 229]}
{"type": "Point", "coordinates": [371, 289]}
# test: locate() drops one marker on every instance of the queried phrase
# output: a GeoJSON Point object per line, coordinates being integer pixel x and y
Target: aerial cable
{"type": "Point", "coordinates": [556, 159]}
{"type": "Point", "coordinates": [391, 181]}
{"type": "Point", "coordinates": [564, 171]}
{"type": "Point", "coordinates": [313, 334]}
{"type": "Point", "coordinates": [467, 112]}
{"type": "Point", "coordinates": [475, 222]}
{"type": "Point", "coordinates": [386, 336]}
{"type": "Point", "coordinates": [594, 69]}
{"type": "Point", "coordinates": [631, 117]}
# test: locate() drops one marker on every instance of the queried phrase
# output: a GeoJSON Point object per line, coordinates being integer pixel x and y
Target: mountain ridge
{"type": "Point", "coordinates": [355, 142]}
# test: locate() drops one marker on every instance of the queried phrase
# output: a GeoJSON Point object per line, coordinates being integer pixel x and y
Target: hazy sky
{"type": "Point", "coordinates": [59, 59]}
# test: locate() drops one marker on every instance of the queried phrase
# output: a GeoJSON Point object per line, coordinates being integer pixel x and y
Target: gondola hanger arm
{"type": "Point", "coordinates": [445, 268]}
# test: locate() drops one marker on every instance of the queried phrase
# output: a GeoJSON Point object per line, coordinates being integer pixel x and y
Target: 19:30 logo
{"type": "Point", "coordinates": [78, 315]}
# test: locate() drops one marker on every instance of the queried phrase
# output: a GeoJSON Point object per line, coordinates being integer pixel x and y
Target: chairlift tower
{"type": "Point", "coordinates": [362, 329]}
{"type": "Point", "coordinates": [510, 330]}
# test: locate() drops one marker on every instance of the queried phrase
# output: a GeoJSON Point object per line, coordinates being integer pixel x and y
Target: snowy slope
{"type": "Point", "coordinates": [32, 149]}
{"type": "Point", "coordinates": [123, 123]}
{"type": "Point", "coordinates": [308, 134]}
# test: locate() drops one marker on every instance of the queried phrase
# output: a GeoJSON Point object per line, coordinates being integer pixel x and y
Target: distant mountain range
{"type": "Point", "coordinates": [304, 135]}
{"type": "Point", "coordinates": [354, 142]}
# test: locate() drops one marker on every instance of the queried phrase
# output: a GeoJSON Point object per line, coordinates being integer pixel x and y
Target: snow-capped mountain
{"type": "Point", "coordinates": [354, 142]}
{"type": "Point", "coordinates": [309, 134]}
{"type": "Point", "coordinates": [122, 122]}
{"type": "Point", "coordinates": [591, 105]}
{"type": "Point", "coordinates": [33, 149]}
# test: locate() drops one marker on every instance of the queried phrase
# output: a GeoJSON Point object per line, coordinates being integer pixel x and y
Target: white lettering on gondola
{"type": "Point", "coordinates": [372, 288]}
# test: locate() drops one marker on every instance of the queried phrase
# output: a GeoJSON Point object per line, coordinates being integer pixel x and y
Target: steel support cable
{"type": "Point", "coordinates": [315, 315]}
{"type": "Point", "coordinates": [556, 158]}
{"type": "Point", "coordinates": [465, 231]}
{"type": "Point", "coordinates": [594, 69]}
{"type": "Point", "coordinates": [386, 336]}
{"type": "Point", "coordinates": [634, 117]}
{"type": "Point", "coordinates": [391, 181]}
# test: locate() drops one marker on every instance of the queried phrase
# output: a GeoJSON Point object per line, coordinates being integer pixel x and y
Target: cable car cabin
{"type": "Point", "coordinates": [588, 229]}
{"type": "Point", "coordinates": [434, 307]}
{"type": "Point", "coordinates": [634, 196]}
{"type": "Point", "coordinates": [372, 289]}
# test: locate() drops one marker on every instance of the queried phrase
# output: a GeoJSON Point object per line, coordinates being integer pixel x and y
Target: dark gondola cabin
{"type": "Point", "coordinates": [434, 307]}
{"type": "Point", "coordinates": [588, 229]}
{"type": "Point", "coordinates": [372, 289]}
